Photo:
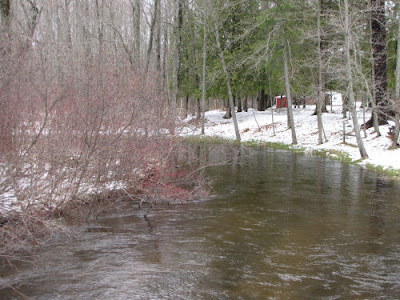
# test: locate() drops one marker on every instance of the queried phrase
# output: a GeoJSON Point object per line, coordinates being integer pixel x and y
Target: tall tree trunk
{"type": "Point", "coordinates": [288, 93]}
{"type": "Point", "coordinates": [272, 102]}
{"type": "Point", "coordinates": [100, 28]}
{"type": "Point", "coordinates": [176, 55]}
{"type": "Point", "coordinates": [228, 82]}
{"type": "Point", "coordinates": [320, 96]}
{"type": "Point", "coordinates": [164, 60]}
{"type": "Point", "coordinates": [261, 100]}
{"type": "Point", "coordinates": [397, 88]}
{"type": "Point", "coordinates": [379, 56]}
{"type": "Point", "coordinates": [239, 104]}
{"type": "Point", "coordinates": [151, 38]}
{"type": "Point", "coordinates": [323, 7]}
{"type": "Point", "coordinates": [86, 37]}
{"type": "Point", "coordinates": [136, 14]}
{"type": "Point", "coordinates": [178, 35]}
{"type": "Point", "coordinates": [349, 76]}
{"type": "Point", "coordinates": [158, 38]}
{"type": "Point", "coordinates": [186, 113]}
{"type": "Point", "coordinates": [228, 112]}
{"type": "Point", "coordinates": [203, 93]}
{"type": "Point", "coordinates": [5, 10]}
{"type": "Point", "coordinates": [193, 72]}
{"type": "Point", "coordinates": [68, 23]}
{"type": "Point", "coordinates": [245, 104]}
{"type": "Point", "coordinates": [198, 110]}
{"type": "Point", "coordinates": [32, 23]}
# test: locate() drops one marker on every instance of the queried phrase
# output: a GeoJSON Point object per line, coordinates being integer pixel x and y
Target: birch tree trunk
{"type": "Point", "coordinates": [349, 75]}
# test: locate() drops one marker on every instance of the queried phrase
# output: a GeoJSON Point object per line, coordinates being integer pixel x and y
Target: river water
{"type": "Point", "coordinates": [278, 226]}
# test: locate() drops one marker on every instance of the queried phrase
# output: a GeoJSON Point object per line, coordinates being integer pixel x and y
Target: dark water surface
{"type": "Point", "coordinates": [280, 226]}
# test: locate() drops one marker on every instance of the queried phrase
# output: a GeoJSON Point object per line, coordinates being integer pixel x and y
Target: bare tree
{"type": "Point", "coordinates": [288, 92]}
{"type": "Point", "coordinates": [79, 112]}
{"type": "Point", "coordinates": [227, 79]}
{"type": "Point", "coordinates": [348, 48]}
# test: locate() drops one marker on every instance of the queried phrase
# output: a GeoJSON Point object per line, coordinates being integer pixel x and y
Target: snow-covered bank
{"type": "Point", "coordinates": [257, 126]}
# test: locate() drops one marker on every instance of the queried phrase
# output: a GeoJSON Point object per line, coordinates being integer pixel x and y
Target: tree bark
{"type": "Point", "coordinates": [288, 92]}
{"type": "Point", "coordinates": [323, 6]}
{"type": "Point", "coordinates": [320, 95]}
{"type": "Point", "coordinates": [186, 107]}
{"type": "Point", "coordinates": [100, 28]}
{"type": "Point", "coordinates": [5, 10]}
{"type": "Point", "coordinates": [272, 103]}
{"type": "Point", "coordinates": [151, 38]}
{"type": "Point", "coordinates": [397, 87]}
{"type": "Point", "coordinates": [228, 113]}
{"type": "Point", "coordinates": [68, 23]}
{"type": "Point", "coordinates": [349, 76]}
{"type": "Point", "coordinates": [176, 55]}
{"type": "Point", "coordinates": [228, 82]}
{"type": "Point", "coordinates": [164, 60]}
{"type": "Point", "coordinates": [158, 38]}
{"type": "Point", "coordinates": [198, 102]}
{"type": "Point", "coordinates": [135, 4]}
{"type": "Point", "coordinates": [203, 93]}
{"type": "Point", "coordinates": [245, 104]}
{"type": "Point", "coordinates": [379, 56]}
{"type": "Point", "coordinates": [239, 104]}
{"type": "Point", "coordinates": [34, 19]}
{"type": "Point", "coordinates": [261, 100]}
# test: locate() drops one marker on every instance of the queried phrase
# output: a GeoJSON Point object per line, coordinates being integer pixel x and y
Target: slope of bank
{"type": "Point", "coordinates": [340, 143]}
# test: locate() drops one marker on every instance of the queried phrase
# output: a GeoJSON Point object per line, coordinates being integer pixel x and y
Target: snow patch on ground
{"type": "Point", "coordinates": [257, 126]}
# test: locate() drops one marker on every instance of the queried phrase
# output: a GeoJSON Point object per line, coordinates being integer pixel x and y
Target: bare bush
{"type": "Point", "coordinates": [79, 120]}
{"type": "Point", "coordinates": [64, 140]}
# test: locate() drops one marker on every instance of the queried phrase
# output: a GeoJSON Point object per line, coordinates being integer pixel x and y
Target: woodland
{"type": "Point", "coordinates": [92, 92]}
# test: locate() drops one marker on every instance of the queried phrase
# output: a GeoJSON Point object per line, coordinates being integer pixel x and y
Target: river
{"type": "Point", "coordinates": [277, 226]}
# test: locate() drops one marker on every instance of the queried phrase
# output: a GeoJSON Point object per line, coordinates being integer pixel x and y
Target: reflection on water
{"type": "Point", "coordinates": [280, 226]}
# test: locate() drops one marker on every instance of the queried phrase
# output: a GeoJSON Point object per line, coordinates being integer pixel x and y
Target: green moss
{"type": "Point", "coordinates": [335, 155]}
{"type": "Point", "coordinates": [390, 172]}
{"type": "Point", "coordinates": [393, 148]}
{"type": "Point", "coordinates": [279, 146]}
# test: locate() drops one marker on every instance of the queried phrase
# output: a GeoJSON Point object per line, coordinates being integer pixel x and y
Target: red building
{"type": "Point", "coordinates": [281, 101]}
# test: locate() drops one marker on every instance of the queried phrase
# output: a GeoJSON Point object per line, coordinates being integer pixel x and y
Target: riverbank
{"type": "Point", "coordinates": [256, 128]}
{"type": "Point", "coordinates": [43, 207]}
